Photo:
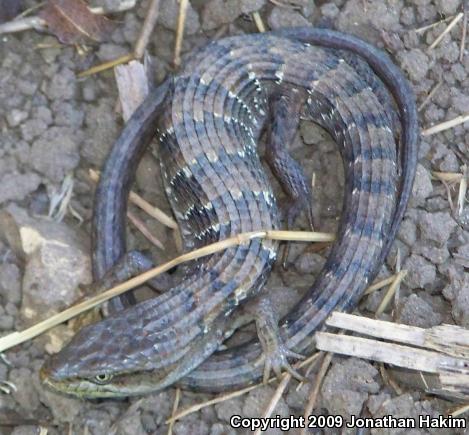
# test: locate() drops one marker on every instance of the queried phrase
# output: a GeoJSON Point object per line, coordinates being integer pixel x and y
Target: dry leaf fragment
{"type": "Point", "coordinates": [73, 23]}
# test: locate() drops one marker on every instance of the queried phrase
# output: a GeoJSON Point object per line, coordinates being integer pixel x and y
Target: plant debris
{"type": "Point", "coordinates": [73, 23]}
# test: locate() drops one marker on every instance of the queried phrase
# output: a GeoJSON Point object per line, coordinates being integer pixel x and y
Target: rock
{"type": "Point", "coordinates": [130, 423]}
{"type": "Point", "coordinates": [379, 15]}
{"type": "Point", "coordinates": [220, 429]}
{"type": "Point", "coordinates": [62, 86]}
{"type": "Point", "coordinates": [407, 232]}
{"type": "Point", "coordinates": [418, 312]}
{"type": "Point", "coordinates": [6, 320]}
{"type": "Point", "coordinates": [330, 10]}
{"type": "Point", "coordinates": [57, 261]}
{"type": "Point", "coordinates": [436, 227]}
{"type": "Point", "coordinates": [169, 13]}
{"type": "Point", "coordinates": [448, 7]}
{"type": "Point", "coordinates": [55, 153]}
{"type": "Point", "coordinates": [347, 385]}
{"type": "Point", "coordinates": [196, 427]}
{"type": "Point", "coordinates": [435, 254]}
{"type": "Point", "coordinates": [67, 114]}
{"type": "Point", "coordinates": [421, 272]}
{"type": "Point", "coordinates": [218, 12]}
{"type": "Point", "coordinates": [226, 409]}
{"type": "Point", "coordinates": [25, 430]}
{"type": "Point", "coordinates": [64, 409]}
{"type": "Point", "coordinates": [32, 128]}
{"type": "Point", "coordinates": [10, 283]}
{"type": "Point", "coordinates": [101, 133]}
{"type": "Point", "coordinates": [15, 186]}
{"type": "Point", "coordinates": [415, 63]}
{"type": "Point", "coordinates": [462, 255]}
{"type": "Point", "coordinates": [309, 262]}
{"type": "Point", "coordinates": [422, 187]}
{"type": "Point", "coordinates": [460, 302]}
{"type": "Point", "coordinates": [15, 117]}
{"type": "Point", "coordinates": [312, 133]}
{"type": "Point", "coordinates": [108, 51]}
{"type": "Point", "coordinates": [25, 393]}
{"type": "Point", "coordinates": [400, 406]}
{"type": "Point", "coordinates": [281, 17]}
{"type": "Point", "coordinates": [256, 401]}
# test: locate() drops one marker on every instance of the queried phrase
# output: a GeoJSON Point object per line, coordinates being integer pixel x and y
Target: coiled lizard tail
{"type": "Point", "coordinates": [208, 133]}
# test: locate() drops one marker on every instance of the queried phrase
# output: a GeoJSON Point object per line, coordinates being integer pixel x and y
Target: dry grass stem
{"type": "Point", "coordinates": [449, 177]}
{"type": "Point", "coordinates": [315, 391]}
{"type": "Point", "coordinates": [379, 285]}
{"type": "Point", "coordinates": [177, 397]}
{"type": "Point", "coordinates": [259, 23]}
{"type": "Point", "coordinates": [454, 21]}
{"type": "Point", "coordinates": [313, 360]}
{"type": "Point", "coordinates": [459, 411]}
{"type": "Point", "coordinates": [180, 32]}
{"type": "Point", "coordinates": [462, 191]}
{"type": "Point", "coordinates": [28, 11]}
{"type": "Point", "coordinates": [224, 397]}
{"type": "Point", "coordinates": [430, 95]}
{"type": "Point", "coordinates": [446, 125]}
{"type": "Point", "coordinates": [286, 378]}
{"type": "Point", "coordinates": [431, 26]}
{"type": "Point", "coordinates": [390, 292]}
{"type": "Point", "coordinates": [463, 32]}
{"type": "Point", "coordinates": [137, 200]}
{"type": "Point", "coordinates": [20, 337]}
{"type": "Point", "coordinates": [140, 225]}
{"type": "Point", "coordinates": [147, 29]}
{"type": "Point", "coordinates": [106, 65]}
{"type": "Point", "coordinates": [288, 4]}
{"type": "Point", "coordinates": [60, 200]}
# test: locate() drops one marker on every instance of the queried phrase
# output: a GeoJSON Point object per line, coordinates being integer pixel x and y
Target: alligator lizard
{"type": "Point", "coordinates": [208, 120]}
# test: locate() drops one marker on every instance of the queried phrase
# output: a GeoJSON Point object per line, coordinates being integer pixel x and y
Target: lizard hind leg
{"type": "Point", "coordinates": [285, 107]}
{"type": "Point", "coordinates": [275, 353]}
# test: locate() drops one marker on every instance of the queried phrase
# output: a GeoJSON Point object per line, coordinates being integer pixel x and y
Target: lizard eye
{"type": "Point", "coordinates": [102, 378]}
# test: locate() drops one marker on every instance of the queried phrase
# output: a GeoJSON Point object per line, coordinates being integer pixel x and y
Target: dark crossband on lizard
{"type": "Point", "coordinates": [208, 120]}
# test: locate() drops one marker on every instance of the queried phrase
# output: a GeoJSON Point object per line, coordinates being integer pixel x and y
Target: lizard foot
{"type": "Point", "coordinates": [276, 359]}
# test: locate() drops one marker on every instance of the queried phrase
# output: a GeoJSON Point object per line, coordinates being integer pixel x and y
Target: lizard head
{"type": "Point", "coordinates": [105, 359]}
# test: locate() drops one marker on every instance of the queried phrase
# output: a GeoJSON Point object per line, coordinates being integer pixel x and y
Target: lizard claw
{"type": "Point", "coordinates": [276, 360]}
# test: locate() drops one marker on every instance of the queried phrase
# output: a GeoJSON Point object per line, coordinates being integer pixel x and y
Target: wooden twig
{"type": "Point", "coordinates": [462, 191]}
{"type": "Point", "coordinates": [379, 285]}
{"type": "Point", "coordinates": [147, 29]}
{"type": "Point", "coordinates": [106, 65]}
{"type": "Point", "coordinates": [446, 125]}
{"type": "Point", "coordinates": [286, 378]}
{"type": "Point", "coordinates": [431, 26]}
{"type": "Point", "coordinates": [228, 396]}
{"type": "Point", "coordinates": [430, 95]}
{"type": "Point", "coordinates": [448, 177]}
{"type": "Point", "coordinates": [315, 391]}
{"type": "Point", "coordinates": [177, 397]}
{"type": "Point", "coordinates": [442, 350]}
{"type": "Point", "coordinates": [390, 292]}
{"type": "Point", "coordinates": [259, 23]}
{"type": "Point", "coordinates": [180, 32]}
{"type": "Point", "coordinates": [464, 30]}
{"type": "Point", "coordinates": [454, 21]}
{"type": "Point", "coordinates": [137, 200]}
{"type": "Point", "coordinates": [140, 225]}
